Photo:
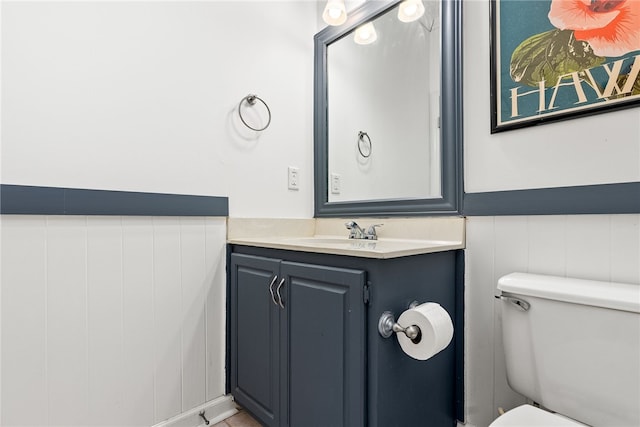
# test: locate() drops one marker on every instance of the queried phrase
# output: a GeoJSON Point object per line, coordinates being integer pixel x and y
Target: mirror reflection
{"type": "Point", "coordinates": [383, 108]}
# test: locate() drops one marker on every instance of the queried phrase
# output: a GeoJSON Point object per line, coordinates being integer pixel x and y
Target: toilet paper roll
{"type": "Point", "coordinates": [436, 330]}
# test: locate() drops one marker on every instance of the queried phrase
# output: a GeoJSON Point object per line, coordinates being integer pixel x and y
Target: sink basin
{"type": "Point", "coordinates": [333, 243]}
{"type": "Point", "coordinates": [322, 240]}
{"type": "Point", "coordinates": [380, 248]}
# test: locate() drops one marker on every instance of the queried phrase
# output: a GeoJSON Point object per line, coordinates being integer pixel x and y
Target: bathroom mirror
{"type": "Point", "coordinates": [386, 125]}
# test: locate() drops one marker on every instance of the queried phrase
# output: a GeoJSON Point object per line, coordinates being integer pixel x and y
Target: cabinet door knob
{"type": "Point", "coordinates": [278, 292]}
{"type": "Point", "coordinates": [273, 297]}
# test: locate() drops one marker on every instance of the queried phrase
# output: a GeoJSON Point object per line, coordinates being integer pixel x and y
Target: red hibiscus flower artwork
{"type": "Point", "coordinates": [611, 27]}
{"type": "Point", "coordinates": [556, 59]}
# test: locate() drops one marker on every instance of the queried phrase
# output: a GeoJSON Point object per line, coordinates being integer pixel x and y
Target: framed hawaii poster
{"type": "Point", "coordinates": [561, 59]}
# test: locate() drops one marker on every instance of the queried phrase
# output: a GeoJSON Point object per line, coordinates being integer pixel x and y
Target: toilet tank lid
{"type": "Point", "coordinates": [617, 296]}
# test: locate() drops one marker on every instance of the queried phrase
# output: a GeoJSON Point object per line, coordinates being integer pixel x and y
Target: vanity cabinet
{"type": "Point", "coordinates": [297, 341]}
{"type": "Point", "coordinates": [304, 348]}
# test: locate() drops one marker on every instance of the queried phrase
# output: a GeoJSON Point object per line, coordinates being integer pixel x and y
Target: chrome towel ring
{"type": "Point", "coordinates": [251, 100]}
{"type": "Point", "coordinates": [364, 146]}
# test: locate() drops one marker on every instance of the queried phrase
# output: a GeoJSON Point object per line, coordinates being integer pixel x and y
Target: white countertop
{"type": "Point", "coordinates": [397, 238]}
{"type": "Point", "coordinates": [340, 245]}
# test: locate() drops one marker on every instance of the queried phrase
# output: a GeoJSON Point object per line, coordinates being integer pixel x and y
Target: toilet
{"type": "Point", "coordinates": [572, 347]}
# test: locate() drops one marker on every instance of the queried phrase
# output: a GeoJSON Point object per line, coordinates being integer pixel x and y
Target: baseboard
{"type": "Point", "coordinates": [215, 411]}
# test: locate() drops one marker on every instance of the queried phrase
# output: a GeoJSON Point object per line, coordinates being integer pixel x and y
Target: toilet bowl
{"type": "Point", "coordinates": [530, 416]}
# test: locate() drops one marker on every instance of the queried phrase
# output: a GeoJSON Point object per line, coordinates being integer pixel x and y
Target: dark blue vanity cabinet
{"type": "Point", "coordinates": [297, 346]}
{"type": "Point", "coordinates": [304, 346]}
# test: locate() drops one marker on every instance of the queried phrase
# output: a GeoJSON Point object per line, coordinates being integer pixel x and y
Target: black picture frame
{"type": "Point", "coordinates": [575, 78]}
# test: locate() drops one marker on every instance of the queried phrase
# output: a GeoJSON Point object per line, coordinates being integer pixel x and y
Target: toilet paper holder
{"type": "Point", "coordinates": [387, 325]}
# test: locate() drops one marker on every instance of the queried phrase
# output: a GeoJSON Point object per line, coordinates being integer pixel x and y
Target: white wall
{"type": "Point", "coordinates": [119, 321]}
{"type": "Point", "coordinates": [597, 149]}
{"type": "Point", "coordinates": [143, 96]}
{"type": "Point", "coordinates": [594, 150]}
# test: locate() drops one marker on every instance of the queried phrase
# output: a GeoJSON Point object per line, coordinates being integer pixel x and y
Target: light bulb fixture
{"type": "Point", "coordinates": [335, 12]}
{"type": "Point", "coordinates": [410, 10]}
{"type": "Point", "coordinates": [365, 34]}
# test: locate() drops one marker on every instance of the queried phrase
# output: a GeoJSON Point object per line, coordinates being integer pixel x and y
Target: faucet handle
{"type": "Point", "coordinates": [350, 224]}
{"type": "Point", "coordinates": [371, 231]}
{"type": "Point", "coordinates": [355, 232]}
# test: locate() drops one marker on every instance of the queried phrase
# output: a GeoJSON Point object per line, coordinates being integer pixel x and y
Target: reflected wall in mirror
{"type": "Point", "coordinates": [387, 127]}
{"type": "Point", "coordinates": [383, 109]}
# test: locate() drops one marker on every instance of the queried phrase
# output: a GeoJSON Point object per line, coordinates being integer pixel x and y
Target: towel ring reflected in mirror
{"type": "Point", "coordinates": [364, 145]}
{"type": "Point", "coordinates": [251, 100]}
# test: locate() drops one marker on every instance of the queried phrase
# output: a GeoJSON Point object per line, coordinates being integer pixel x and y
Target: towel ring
{"type": "Point", "coordinates": [251, 100]}
{"type": "Point", "coordinates": [364, 147]}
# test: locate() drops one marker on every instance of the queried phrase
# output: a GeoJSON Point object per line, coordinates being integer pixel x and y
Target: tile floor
{"type": "Point", "coordinates": [241, 419]}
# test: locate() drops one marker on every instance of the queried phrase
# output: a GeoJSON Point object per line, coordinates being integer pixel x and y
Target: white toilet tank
{"type": "Point", "coordinates": [573, 346]}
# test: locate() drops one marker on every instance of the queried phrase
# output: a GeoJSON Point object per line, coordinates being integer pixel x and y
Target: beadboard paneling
{"type": "Point", "coordinates": [67, 321]}
{"type": "Point", "coordinates": [588, 247]}
{"type": "Point", "coordinates": [625, 249]}
{"type": "Point", "coordinates": [479, 329]}
{"type": "Point", "coordinates": [547, 245]}
{"type": "Point", "coordinates": [138, 320]}
{"type": "Point", "coordinates": [24, 303]}
{"type": "Point", "coordinates": [168, 316]}
{"type": "Point", "coordinates": [104, 313]}
{"type": "Point", "coordinates": [110, 320]}
{"type": "Point", "coordinates": [215, 265]}
{"type": "Point", "coordinates": [192, 253]}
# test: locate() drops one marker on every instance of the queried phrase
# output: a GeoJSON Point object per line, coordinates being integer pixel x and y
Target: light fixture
{"type": "Point", "coordinates": [335, 12]}
{"type": "Point", "coordinates": [410, 10]}
{"type": "Point", "coordinates": [365, 34]}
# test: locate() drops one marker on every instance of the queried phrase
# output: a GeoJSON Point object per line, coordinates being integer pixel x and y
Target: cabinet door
{"type": "Point", "coordinates": [323, 353]}
{"type": "Point", "coordinates": [255, 337]}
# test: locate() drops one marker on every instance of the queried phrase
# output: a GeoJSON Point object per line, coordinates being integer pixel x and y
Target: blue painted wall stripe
{"type": "Point", "coordinates": [33, 200]}
{"type": "Point", "coordinates": [621, 198]}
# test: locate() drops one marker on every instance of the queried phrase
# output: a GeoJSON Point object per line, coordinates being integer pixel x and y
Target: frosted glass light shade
{"type": "Point", "coordinates": [365, 34]}
{"type": "Point", "coordinates": [335, 12]}
{"type": "Point", "coordinates": [410, 10]}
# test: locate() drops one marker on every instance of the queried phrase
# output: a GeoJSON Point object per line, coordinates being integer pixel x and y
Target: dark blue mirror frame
{"type": "Point", "coordinates": [450, 202]}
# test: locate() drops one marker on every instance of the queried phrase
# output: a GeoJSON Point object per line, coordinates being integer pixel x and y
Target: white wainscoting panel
{"type": "Point", "coordinates": [625, 249]}
{"type": "Point", "coordinates": [138, 320]}
{"type": "Point", "coordinates": [479, 329]}
{"type": "Point", "coordinates": [548, 244]}
{"type": "Point", "coordinates": [104, 315]}
{"type": "Point", "coordinates": [111, 321]}
{"type": "Point", "coordinates": [67, 321]}
{"type": "Point", "coordinates": [168, 316]}
{"type": "Point", "coordinates": [193, 273]}
{"type": "Point", "coordinates": [216, 259]}
{"type": "Point", "coordinates": [24, 321]}
{"type": "Point", "coordinates": [588, 250]}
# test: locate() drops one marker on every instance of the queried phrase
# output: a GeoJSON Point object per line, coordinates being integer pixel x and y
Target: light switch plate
{"type": "Point", "coordinates": [335, 183]}
{"type": "Point", "coordinates": [294, 178]}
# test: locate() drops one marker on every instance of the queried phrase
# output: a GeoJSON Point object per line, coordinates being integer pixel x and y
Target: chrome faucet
{"type": "Point", "coordinates": [356, 232]}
